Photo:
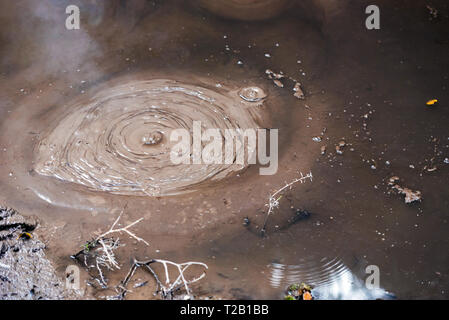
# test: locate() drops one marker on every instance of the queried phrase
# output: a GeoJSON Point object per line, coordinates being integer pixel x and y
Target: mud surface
{"type": "Point", "coordinates": [364, 119]}
{"type": "Point", "coordinates": [25, 272]}
{"type": "Point", "coordinates": [120, 141]}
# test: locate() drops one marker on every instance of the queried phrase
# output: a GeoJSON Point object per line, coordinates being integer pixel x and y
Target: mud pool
{"type": "Point", "coordinates": [66, 145]}
{"type": "Point", "coordinates": [120, 140]}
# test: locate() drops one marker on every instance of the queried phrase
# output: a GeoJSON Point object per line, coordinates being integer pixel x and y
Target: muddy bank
{"type": "Point", "coordinates": [25, 271]}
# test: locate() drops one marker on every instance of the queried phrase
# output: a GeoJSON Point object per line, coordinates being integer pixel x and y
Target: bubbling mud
{"type": "Point", "coordinates": [252, 94]}
{"type": "Point", "coordinates": [119, 140]}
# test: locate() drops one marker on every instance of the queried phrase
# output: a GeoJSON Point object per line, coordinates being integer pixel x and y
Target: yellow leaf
{"type": "Point", "coordinates": [25, 235]}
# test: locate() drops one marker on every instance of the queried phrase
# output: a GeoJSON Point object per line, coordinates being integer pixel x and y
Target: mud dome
{"type": "Point", "coordinates": [119, 140]}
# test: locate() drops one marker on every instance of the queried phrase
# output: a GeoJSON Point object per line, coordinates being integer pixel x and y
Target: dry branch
{"type": "Point", "coordinates": [168, 287]}
{"type": "Point", "coordinates": [102, 248]}
{"type": "Point", "coordinates": [273, 200]}
{"type": "Point", "coordinates": [99, 255]}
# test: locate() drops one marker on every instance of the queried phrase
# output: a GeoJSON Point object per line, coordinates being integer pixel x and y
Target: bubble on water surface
{"type": "Point", "coordinates": [152, 138]}
{"type": "Point", "coordinates": [252, 94]}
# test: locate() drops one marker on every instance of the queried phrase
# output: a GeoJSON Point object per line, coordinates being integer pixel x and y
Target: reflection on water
{"type": "Point", "coordinates": [332, 280]}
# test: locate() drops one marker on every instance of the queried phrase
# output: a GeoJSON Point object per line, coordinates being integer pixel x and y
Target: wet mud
{"type": "Point", "coordinates": [66, 146]}
{"type": "Point", "coordinates": [26, 272]}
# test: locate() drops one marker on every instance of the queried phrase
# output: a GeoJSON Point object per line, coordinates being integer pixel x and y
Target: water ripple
{"type": "Point", "coordinates": [331, 279]}
{"type": "Point", "coordinates": [119, 140]}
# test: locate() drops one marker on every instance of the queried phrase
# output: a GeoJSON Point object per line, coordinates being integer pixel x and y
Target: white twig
{"type": "Point", "coordinates": [124, 229]}
{"type": "Point", "coordinates": [273, 200]}
{"type": "Point", "coordinates": [168, 287]}
{"type": "Point", "coordinates": [108, 258]}
{"type": "Point", "coordinates": [108, 245]}
{"type": "Point", "coordinates": [104, 247]}
{"type": "Point", "coordinates": [182, 267]}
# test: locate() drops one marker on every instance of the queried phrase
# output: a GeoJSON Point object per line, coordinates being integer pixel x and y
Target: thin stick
{"type": "Point", "coordinates": [273, 200]}
{"type": "Point", "coordinates": [124, 229]}
{"type": "Point", "coordinates": [105, 247]}
{"type": "Point", "coordinates": [169, 287]}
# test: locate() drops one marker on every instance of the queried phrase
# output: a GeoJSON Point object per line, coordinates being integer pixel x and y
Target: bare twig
{"type": "Point", "coordinates": [273, 200]}
{"type": "Point", "coordinates": [168, 287]}
{"type": "Point", "coordinates": [102, 249]}
{"type": "Point", "coordinates": [124, 229]}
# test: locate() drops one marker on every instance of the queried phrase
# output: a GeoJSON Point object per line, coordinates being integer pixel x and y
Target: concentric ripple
{"type": "Point", "coordinates": [331, 280]}
{"type": "Point", "coordinates": [119, 141]}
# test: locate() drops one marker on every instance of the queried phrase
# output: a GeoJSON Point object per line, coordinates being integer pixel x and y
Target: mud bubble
{"type": "Point", "coordinates": [119, 140]}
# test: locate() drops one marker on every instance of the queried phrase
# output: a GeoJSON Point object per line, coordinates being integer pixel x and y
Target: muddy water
{"type": "Point", "coordinates": [367, 89]}
{"type": "Point", "coordinates": [120, 141]}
